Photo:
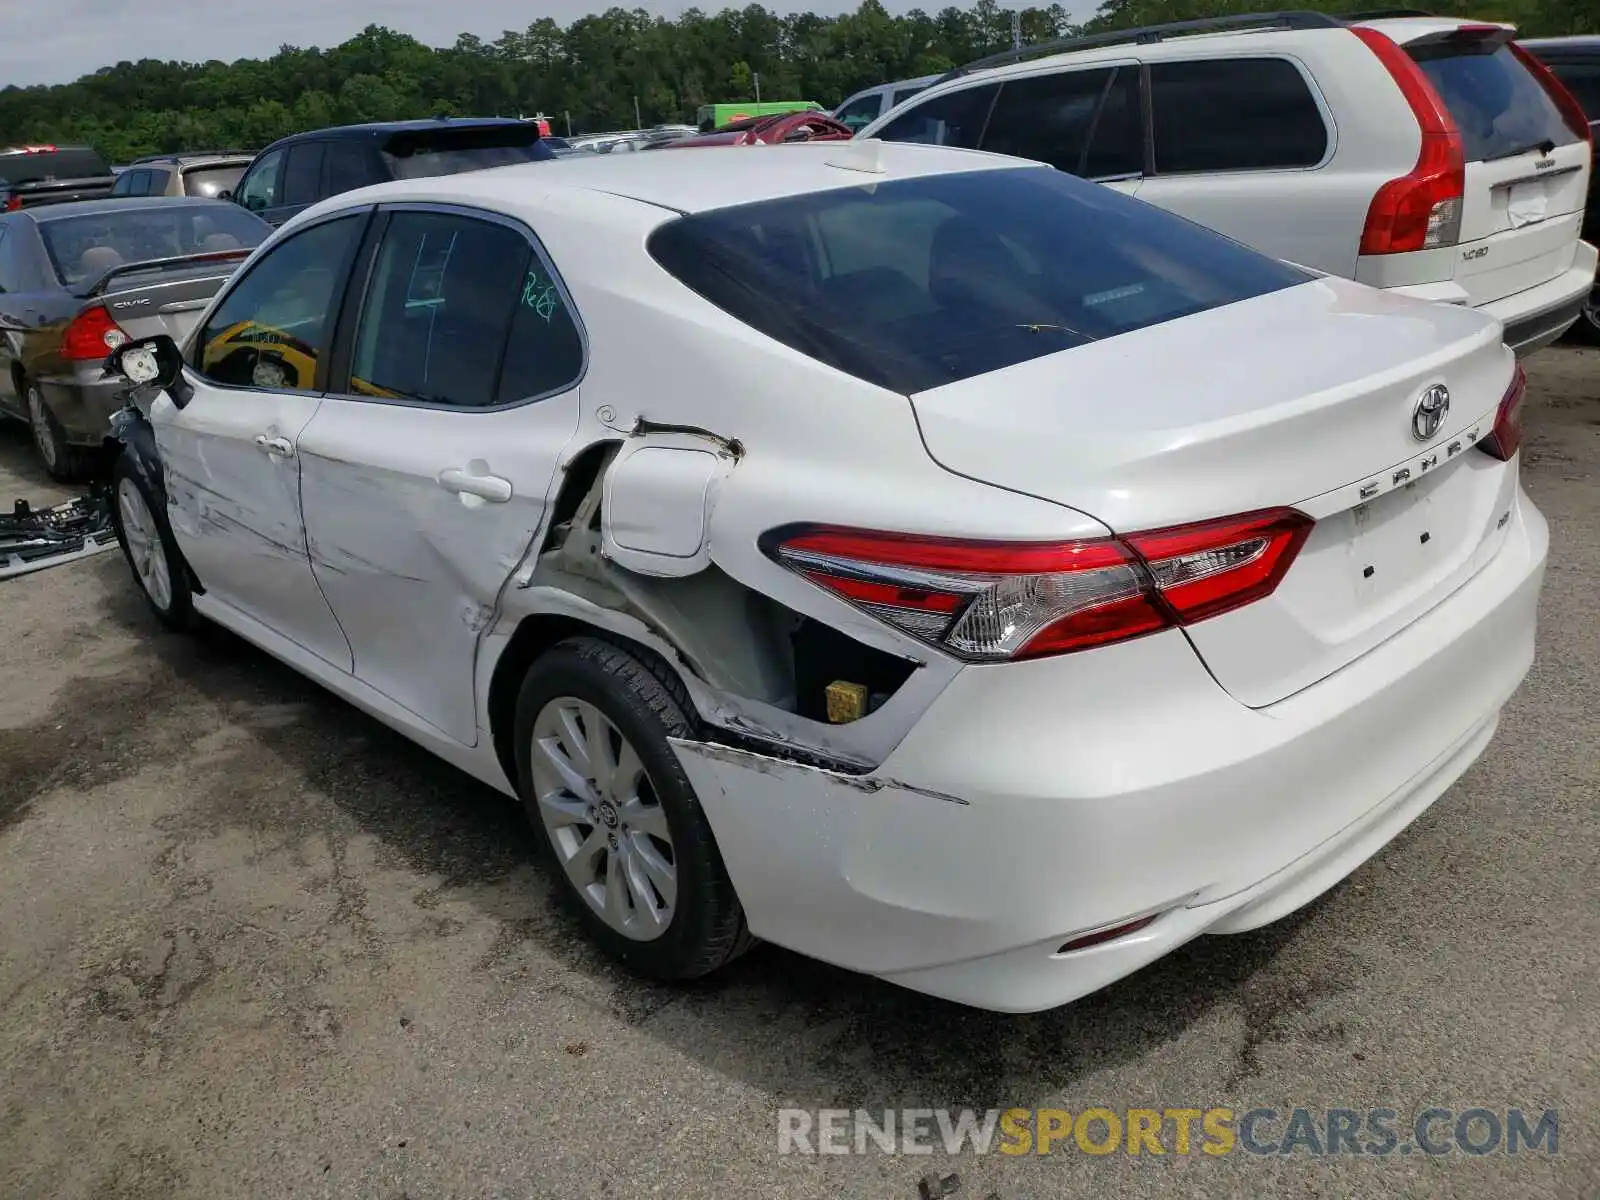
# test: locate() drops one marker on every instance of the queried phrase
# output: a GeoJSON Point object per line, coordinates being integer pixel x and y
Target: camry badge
{"type": "Point", "coordinates": [1431, 409]}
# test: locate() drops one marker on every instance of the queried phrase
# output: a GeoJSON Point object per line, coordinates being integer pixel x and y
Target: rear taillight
{"type": "Point", "coordinates": [14, 203]}
{"type": "Point", "coordinates": [92, 334]}
{"type": "Point", "coordinates": [1421, 210]}
{"type": "Point", "coordinates": [1506, 436]}
{"type": "Point", "coordinates": [1566, 103]}
{"type": "Point", "coordinates": [994, 601]}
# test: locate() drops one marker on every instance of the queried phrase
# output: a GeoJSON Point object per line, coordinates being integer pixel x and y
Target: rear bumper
{"type": "Point", "coordinates": [83, 403]}
{"type": "Point", "coordinates": [1038, 801]}
{"type": "Point", "coordinates": [1532, 318]}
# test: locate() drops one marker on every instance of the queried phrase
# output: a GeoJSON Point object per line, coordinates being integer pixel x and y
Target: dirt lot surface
{"type": "Point", "coordinates": [255, 945]}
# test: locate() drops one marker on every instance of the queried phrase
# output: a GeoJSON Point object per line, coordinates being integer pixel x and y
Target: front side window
{"type": "Point", "coordinates": [858, 114]}
{"type": "Point", "coordinates": [926, 281]}
{"type": "Point", "coordinates": [272, 327]}
{"type": "Point", "coordinates": [953, 119]}
{"type": "Point", "coordinates": [259, 188]}
{"type": "Point", "coordinates": [462, 312]}
{"type": "Point", "coordinates": [1234, 114]}
{"type": "Point", "coordinates": [8, 276]}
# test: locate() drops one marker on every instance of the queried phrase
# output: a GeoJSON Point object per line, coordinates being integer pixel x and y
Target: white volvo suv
{"type": "Point", "coordinates": [921, 559]}
{"type": "Point", "coordinates": [1428, 156]}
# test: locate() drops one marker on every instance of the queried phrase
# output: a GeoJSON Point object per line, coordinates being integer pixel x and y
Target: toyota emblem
{"type": "Point", "coordinates": [1432, 408]}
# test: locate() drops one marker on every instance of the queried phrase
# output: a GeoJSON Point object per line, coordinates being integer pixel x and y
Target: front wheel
{"type": "Point", "coordinates": [618, 815]}
{"type": "Point", "coordinates": [147, 544]}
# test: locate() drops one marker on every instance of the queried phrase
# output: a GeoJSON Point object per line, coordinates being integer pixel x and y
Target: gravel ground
{"type": "Point", "coordinates": [255, 945]}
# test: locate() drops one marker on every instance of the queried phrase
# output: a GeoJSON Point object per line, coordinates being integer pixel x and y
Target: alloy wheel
{"type": "Point", "coordinates": [39, 422]}
{"type": "Point", "coordinates": [603, 818]}
{"type": "Point", "coordinates": [145, 552]}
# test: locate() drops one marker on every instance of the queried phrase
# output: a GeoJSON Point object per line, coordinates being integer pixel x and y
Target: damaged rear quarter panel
{"type": "Point", "coordinates": [796, 441]}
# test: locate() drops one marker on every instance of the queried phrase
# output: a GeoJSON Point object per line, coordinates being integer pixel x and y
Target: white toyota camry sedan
{"type": "Point", "coordinates": [919, 559]}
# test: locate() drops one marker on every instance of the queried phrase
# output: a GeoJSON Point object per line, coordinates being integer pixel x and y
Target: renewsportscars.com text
{"type": "Point", "coordinates": [1374, 1132]}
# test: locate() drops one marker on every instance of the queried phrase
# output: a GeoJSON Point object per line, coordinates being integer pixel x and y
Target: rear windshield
{"type": "Point", "coordinates": [211, 182]}
{"type": "Point", "coordinates": [415, 156]}
{"type": "Point", "coordinates": [1500, 109]}
{"type": "Point", "coordinates": [922, 282]}
{"type": "Point", "coordinates": [52, 164]}
{"type": "Point", "coordinates": [82, 249]}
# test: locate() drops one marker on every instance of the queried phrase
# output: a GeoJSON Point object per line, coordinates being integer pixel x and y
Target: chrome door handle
{"type": "Point", "coordinates": [486, 487]}
{"type": "Point", "coordinates": [276, 446]}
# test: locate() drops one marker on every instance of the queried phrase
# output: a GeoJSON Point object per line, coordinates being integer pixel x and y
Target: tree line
{"type": "Point", "coordinates": [593, 73]}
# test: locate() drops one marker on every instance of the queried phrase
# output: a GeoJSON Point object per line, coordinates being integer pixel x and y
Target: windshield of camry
{"type": "Point", "coordinates": [922, 282]}
{"type": "Point", "coordinates": [83, 248]}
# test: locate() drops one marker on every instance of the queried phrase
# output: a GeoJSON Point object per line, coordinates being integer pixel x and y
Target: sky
{"type": "Point", "coordinates": [55, 41]}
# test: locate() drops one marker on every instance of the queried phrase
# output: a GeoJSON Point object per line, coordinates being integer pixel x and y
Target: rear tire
{"type": "Point", "coordinates": [1587, 327]}
{"type": "Point", "coordinates": [147, 545]}
{"type": "Point", "coordinates": [628, 841]}
{"type": "Point", "coordinates": [64, 462]}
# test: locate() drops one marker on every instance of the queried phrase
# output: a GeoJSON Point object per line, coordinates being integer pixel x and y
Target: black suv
{"type": "Point", "coordinates": [1576, 62]}
{"type": "Point", "coordinates": [33, 175]}
{"type": "Point", "coordinates": [297, 171]}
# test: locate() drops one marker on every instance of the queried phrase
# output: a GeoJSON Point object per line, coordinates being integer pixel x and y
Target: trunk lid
{"type": "Point", "coordinates": [1303, 397]}
{"type": "Point", "coordinates": [168, 297]}
{"type": "Point", "coordinates": [1527, 169]}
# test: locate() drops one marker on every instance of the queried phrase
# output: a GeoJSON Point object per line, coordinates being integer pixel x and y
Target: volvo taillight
{"type": "Point", "coordinates": [1420, 210]}
{"type": "Point", "coordinates": [991, 601]}
{"type": "Point", "coordinates": [92, 334]}
{"type": "Point", "coordinates": [1506, 436]}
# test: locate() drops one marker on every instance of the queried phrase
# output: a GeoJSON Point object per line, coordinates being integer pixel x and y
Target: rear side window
{"type": "Point", "coordinates": [302, 174]}
{"type": "Point", "coordinates": [1236, 114]}
{"type": "Point", "coordinates": [1583, 81]}
{"type": "Point", "coordinates": [1058, 118]}
{"type": "Point", "coordinates": [462, 313]}
{"type": "Point", "coordinates": [348, 167]}
{"type": "Point", "coordinates": [953, 119]}
{"type": "Point", "coordinates": [922, 282]}
{"type": "Point", "coordinates": [1500, 109]}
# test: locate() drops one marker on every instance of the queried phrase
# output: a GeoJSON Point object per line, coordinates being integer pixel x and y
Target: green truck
{"type": "Point", "coordinates": [715, 116]}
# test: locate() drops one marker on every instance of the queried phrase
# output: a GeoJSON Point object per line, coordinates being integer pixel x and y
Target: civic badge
{"type": "Point", "coordinates": [1431, 409]}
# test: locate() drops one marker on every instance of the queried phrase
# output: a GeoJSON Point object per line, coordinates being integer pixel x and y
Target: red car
{"type": "Point", "coordinates": [785, 127]}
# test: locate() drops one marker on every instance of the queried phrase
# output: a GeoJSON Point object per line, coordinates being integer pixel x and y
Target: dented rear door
{"type": "Point", "coordinates": [425, 477]}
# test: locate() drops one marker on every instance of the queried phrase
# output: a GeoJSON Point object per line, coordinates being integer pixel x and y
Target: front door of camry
{"type": "Point", "coordinates": [230, 455]}
{"type": "Point", "coordinates": [425, 472]}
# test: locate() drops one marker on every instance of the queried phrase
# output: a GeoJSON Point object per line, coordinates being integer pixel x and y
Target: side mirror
{"type": "Point", "coordinates": [225, 194]}
{"type": "Point", "coordinates": [150, 365]}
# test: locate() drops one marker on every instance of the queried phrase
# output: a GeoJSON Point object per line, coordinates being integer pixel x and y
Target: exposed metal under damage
{"type": "Point", "coordinates": [32, 539]}
{"type": "Point", "coordinates": [764, 678]}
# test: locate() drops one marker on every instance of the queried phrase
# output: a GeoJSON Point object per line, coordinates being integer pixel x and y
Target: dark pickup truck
{"type": "Point", "coordinates": [34, 175]}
